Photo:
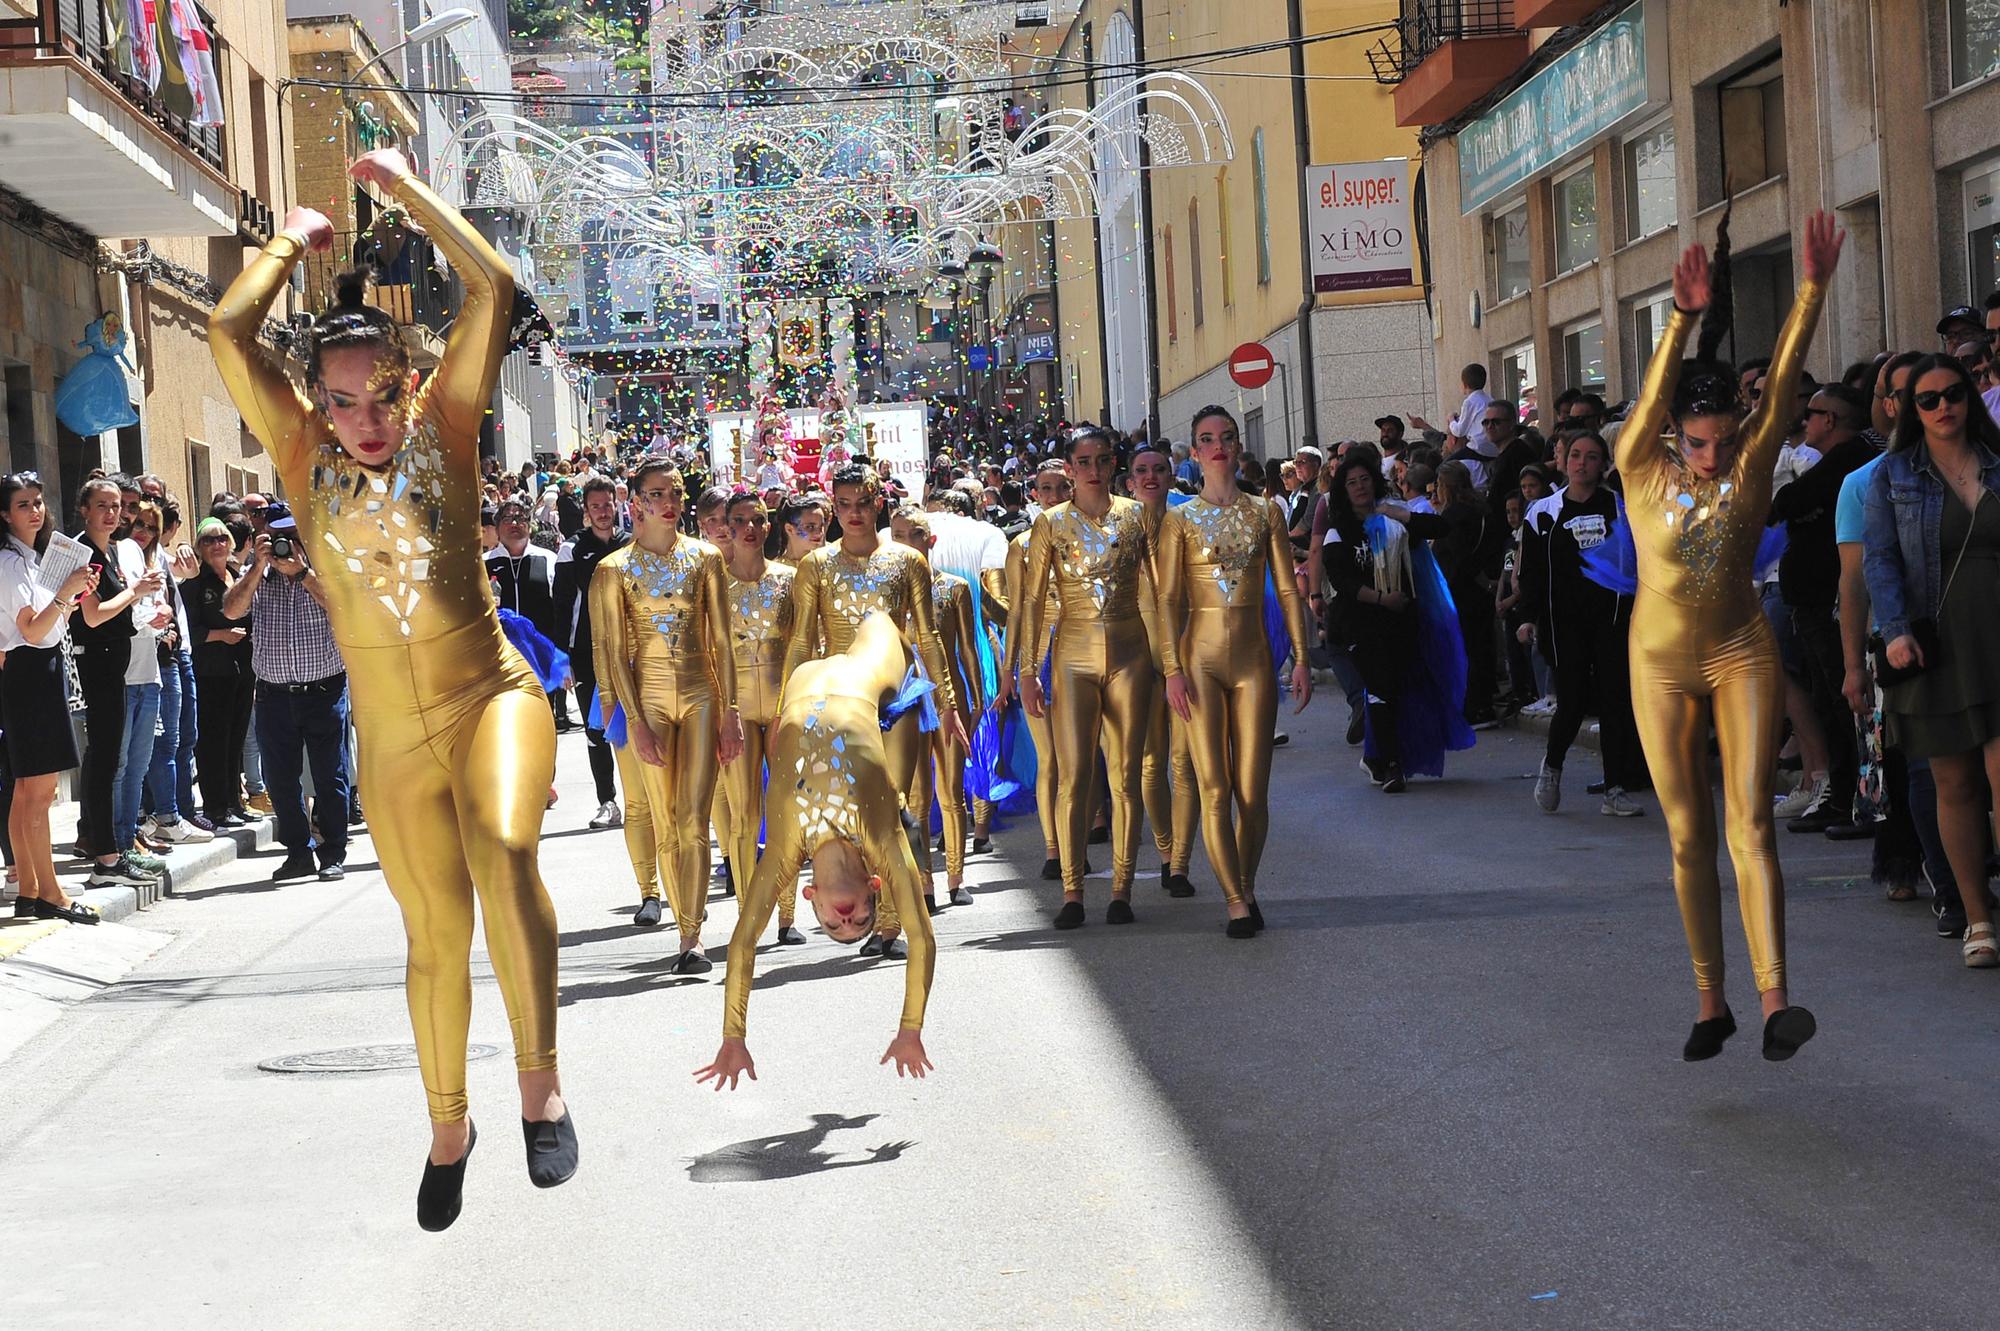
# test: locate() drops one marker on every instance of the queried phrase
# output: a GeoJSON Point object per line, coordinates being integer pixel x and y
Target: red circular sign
{"type": "Point", "coordinates": [1251, 365]}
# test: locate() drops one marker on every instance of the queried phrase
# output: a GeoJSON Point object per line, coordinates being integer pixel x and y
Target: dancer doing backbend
{"type": "Point", "coordinates": [1173, 805]}
{"type": "Point", "coordinates": [760, 629]}
{"type": "Point", "coordinates": [1093, 551]}
{"type": "Point", "coordinates": [1212, 562]}
{"type": "Point", "coordinates": [836, 587]}
{"type": "Point", "coordinates": [836, 798]}
{"type": "Point", "coordinates": [1701, 647]}
{"type": "Point", "coordinates": [943, 778]}
{"type": "Point", "coordinates": [1051, 488]}
{"type": "Point", "coordinates": [452, 723]}
{"type": "Point", "coordinates": [659, 613]}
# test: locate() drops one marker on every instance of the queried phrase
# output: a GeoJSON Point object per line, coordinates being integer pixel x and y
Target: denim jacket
{"type": "Point", "coordinates": [1901, 557]}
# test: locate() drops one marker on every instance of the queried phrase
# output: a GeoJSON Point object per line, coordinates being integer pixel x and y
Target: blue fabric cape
{"type": "Point", "coordinates": [1430, 718]}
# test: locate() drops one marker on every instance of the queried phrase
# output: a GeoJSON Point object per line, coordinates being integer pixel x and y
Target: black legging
{"type": "Point", "coordinates": [1594, 674]}
{"type": "Point", "coordinates": [1475, 626]}
{"type": "Point", "coordinates": [222, 723]}
{"type": "Point", "coordinates": [598, 747]}
{"type": "Point", "coordinates": [104, 739]}
{"type": "Point", "coordinates": [1386, 651]}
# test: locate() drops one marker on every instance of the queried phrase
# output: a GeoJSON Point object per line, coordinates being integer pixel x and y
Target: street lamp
{"type": "Point", "coordinates": [437, 25]}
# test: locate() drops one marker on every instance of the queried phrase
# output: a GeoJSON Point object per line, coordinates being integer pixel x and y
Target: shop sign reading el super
{"type": "Point", "coordinates": [1587, 91]}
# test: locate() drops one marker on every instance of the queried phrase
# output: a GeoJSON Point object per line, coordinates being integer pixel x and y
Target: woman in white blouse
{"type": "Point", "coordinates": [34, 700]}
{"type": "Point", "coordinates": [138, 555]}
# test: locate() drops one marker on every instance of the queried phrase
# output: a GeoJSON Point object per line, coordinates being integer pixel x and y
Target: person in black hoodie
{"type": "Point", "coordinates": [1582, 630]}
{"type": "Point", "coordinates": [575, 562]}
{"type": "Point", "coordinates": [524, 576]}
{"type": "Point", "coordinates": [1809, 581]}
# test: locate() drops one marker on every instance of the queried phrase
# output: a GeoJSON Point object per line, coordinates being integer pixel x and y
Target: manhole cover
{"type": "Point", "coordinates": [362, 1058]}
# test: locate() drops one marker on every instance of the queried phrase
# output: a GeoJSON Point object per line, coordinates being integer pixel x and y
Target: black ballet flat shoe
{"type": "Point", "coordinates": [1787, 1029]}
{"type": "Point", "coordinates": [1707, 1037]}
{"type": "Point", "coordinates": [441, 1193]}
{"type": "Point", "coordinates": [1070, 916]}
{"type": "Point", "coordinates": [789, 937]}
{"type": "Point", "coordinates": [982, 845]}
{"type": "Point", "coordinates": [24, 908]}
{"type": "Point", "coordinates": [931, 906]}
{"type": "Point", "coordinates": [648, 914]}
{"type": "Point", "coordinates": [1243, 928]}
{"type": "Point", "coordinates": [1100, 835]}
{"type": "Point", "coordinates": [873, 947]}
{"type": "Point", "coordinates": [1119, 912]}
{"type": "Point", "coordinates": [1179, 886]}
{"type": "Point", "coordinates": [692, 962]}
{"type": "Point", "coordinates": [894, 950]}
{"type": "Point", "coordinates": [1051, 871]}
{"type": "Point", "coordinates": [75, 912]}
{"type": "Point", "coordinates": [1257, 916]}
{"type": "Point", "coordinates": [552, 1151]}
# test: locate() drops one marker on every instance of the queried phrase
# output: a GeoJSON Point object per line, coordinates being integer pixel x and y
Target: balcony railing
{"type": "Point", "coordinates": [408, 286]}
{"type": "Point", "coordinates": [85, 31]}
{"type": "Point", "coordinates": [1425, 25]}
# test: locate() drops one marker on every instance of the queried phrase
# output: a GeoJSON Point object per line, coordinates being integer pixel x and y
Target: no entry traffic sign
{"type": "Point", "coordinates": [1250, 365]}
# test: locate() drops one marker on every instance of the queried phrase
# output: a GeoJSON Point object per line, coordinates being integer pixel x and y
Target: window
{"type": "Point", "coordinates": [1517, 371]}
{"type": "Point", "coordinates": [1975, 40]}
{"type": "Point", "coordinates": [1253, 432]}
{"type": "Point", "coordinates": [1259, 184]}
{"type": "Point", "coordinates": [1194, 256]}
{"type": "Point", "coordinates": [1752, 112]}
{"type": "Point", "coordinates": [1649, 324]}
{"type": "Point", "coordinates": [1509, 242]}
{"type": "Point", "coordinates": [1173, 292]}
{"type": "Point", "coordinates": [1575, 219]}
{"type": "Point", "coordinates": [1222, 236]}
{"type": "Point", "coordinates": [1583, 356]}
{"type": "Point", "coordinates": [1649, 181]}
{"type": "Point", "coordinates": [1982, 226]}
{"type": "Point", "coordinates": [199, 491]}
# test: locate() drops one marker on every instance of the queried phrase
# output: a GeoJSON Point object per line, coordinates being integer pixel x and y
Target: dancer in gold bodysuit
{"type": "Point", "coordinates": [659, 611]}
{"type": "Point", "coordinates": [1221, 681]}
{"type": "Point", "coordinates": [1173, 805]}
{"type": "Point", "coordinates": [1701, 647]}
{"type": "Point", "coordinates": [1052, 487]}
{"type": "Point", "coordinates": [1093, 551]}
{"type": "Point", "coordinates": [943, 778]}
{"type": "Point", "coordinates": [456, 734]}
{"type": "Point", "coordinates": [837, 799]}
{"type": "Point", "coordinates": [836, 586]}
{"type": "Point", "coordinates": [711, 521]}
{"type": "Point", "coordinates": [760, 629]}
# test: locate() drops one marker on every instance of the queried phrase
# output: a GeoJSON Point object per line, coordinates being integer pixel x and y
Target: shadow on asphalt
{"type": "Point", "coordinates": [790, 1154]}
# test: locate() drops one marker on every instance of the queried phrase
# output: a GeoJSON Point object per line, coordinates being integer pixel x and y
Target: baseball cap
{"type": "Point", "coordinates": [278, 514]}
{"type": "Point", "coordinates": [1964, 314]}
{"type": "Point", "coordinates": [1381, 421]}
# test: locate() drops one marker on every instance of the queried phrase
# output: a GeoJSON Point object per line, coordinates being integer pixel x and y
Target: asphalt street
{"type": "Point", "coordinates": [1442, 1090]}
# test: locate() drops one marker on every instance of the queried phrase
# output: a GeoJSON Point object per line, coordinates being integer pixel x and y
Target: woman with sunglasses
{"type": "Point", "coordinates": [1931, 554]}
{"type": "Point", "coordinates": [34, 699]}
{"type": "Point", "coordinates": [1701, 648]}
{"type": "Point", "coordinates": [224, 686]}
{"type": "Point", "coordinates": [455, 728]}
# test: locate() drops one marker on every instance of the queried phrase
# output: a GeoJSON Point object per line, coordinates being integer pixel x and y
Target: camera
{"type": "Point", "coordinates": [281, 547]}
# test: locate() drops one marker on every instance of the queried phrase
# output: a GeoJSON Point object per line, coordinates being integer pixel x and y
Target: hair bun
{"type": "Point", "coordinates": [350, 288]}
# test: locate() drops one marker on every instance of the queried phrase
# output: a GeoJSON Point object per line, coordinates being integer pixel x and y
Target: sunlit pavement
{"type": "Point", "coordinates": [1443, 1089]}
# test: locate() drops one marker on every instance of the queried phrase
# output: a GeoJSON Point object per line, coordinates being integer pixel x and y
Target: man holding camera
{"type": "Point", "coordinates": [301, 697]}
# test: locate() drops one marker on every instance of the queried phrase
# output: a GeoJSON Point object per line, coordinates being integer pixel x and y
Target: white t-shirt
{"type": "Point", "coordinates": [19, 591]}
{"type": "Point", "coordinates": [144, 665]}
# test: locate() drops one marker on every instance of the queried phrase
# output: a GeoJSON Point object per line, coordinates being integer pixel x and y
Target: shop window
{"type": "Point", "coordinates": [1649, 325]}
{"type": "Point", "coordinates": [1751, 110]}
{"type": "Point", "coordinates": [1517, 371]}
{"type": "Point", "coordinates": [1575, 219]}
{"type": "Point", "coordinates": [1173, 292]}
{"type": "Point", "coordinates": [1507, 238]}
{"type": "Point", "coordinates": [1194, 257]}
{"type": "Point", "coordinates": [1649, 181]}
{"type": "Point", "coordinates": [1583, 356]}
{"type": "Point", "coordinates": [1975, 40]}
{"type": "Point", "coordinates": [1982, 226]}
{"type": "Point", "coordinates": [1259, 184]}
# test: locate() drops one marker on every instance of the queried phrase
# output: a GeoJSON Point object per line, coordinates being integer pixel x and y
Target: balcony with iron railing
{"type": "Point", "coordinates": [1446, 54]}
{"type": "Point", "coordinates": [408, 286]}
{"type": "Point", "coordinates": [112, 140]}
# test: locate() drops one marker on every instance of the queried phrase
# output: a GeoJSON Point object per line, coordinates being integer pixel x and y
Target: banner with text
{"type": "Point", "coordinates": [1361, 228]}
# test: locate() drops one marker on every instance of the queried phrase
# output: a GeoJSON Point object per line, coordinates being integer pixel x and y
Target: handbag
{"type": "Point", "coordinates": [1924, 630]}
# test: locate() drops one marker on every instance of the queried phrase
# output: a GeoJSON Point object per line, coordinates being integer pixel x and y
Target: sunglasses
{"type": "Point", "coordinates": [1930, 401]}
{"type": "Point", "coordinates": [1491, 421]}
{"type": "Point", "coordinates": [1820, 411]}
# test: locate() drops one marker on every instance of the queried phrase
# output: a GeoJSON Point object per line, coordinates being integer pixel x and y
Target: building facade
{"type": "Point", "coordinates": [1572, 149]}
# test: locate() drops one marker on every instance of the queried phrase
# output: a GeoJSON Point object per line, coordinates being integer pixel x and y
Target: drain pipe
{"type": "Point", "coordinates": [1302, 148]}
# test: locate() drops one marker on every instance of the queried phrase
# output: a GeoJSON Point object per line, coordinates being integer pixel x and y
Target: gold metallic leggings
{"type": "Point", "coordinates": [943, 779]}
{"type": "Point", "coordinates": [903, 748]}
{"type": "Point", "coordinates": [458, 741]}
{"type": "Point", "coordinates": [1096, 702]}
{"type": "Point", "coordinates": [743, 787]}
{"type": "Point", "coordinates": [1234, 691]}
{"type": "Point", "coordinates": [1685, 667]}
{"type": "Point", "coordinates": [1172, 807]}
{"type": "Point", "coordinates": [667, 807]}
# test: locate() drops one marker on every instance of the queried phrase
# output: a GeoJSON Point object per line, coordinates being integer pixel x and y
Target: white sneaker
{"type": "Point", "coordinates": [1549, 788]}
{"type": "Point", "coordinates": [1617, 804]}
{"type": "Point", "coordinates": [608, 815]}
{"type": "Point", "coordinates": [1803, 797]}
{"type": "Point", "coordinates": [180, 831]}
{"type": "Point", "coordinates": [1540, 707]}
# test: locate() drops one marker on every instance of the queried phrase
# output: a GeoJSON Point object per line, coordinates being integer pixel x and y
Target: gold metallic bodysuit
{"type": "Point", "coordinates": [457, 741]}
{"type": "Point", "coordinates": [660, 636]}
{"type": "Point", "coordinates": [1173, 804]}
{"type": "Point", "coordinates": [760, 629]}
{"type": "Point", "coordinates": [1102, 671]}
{"type": "Point", "coordinates": [1701, 645]}
{"type": "Point", "coordinates": [1212, 563]}
{"type": "Point", "coordinates": [831, 778]}
{"type": "Point", "coordinates": [1041, 729]}
{"type": "Point", "coordinates": [944, 777]}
